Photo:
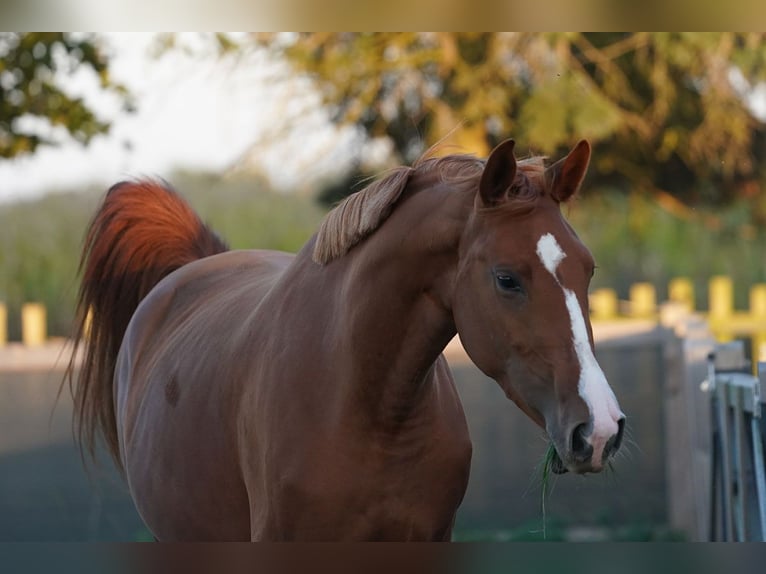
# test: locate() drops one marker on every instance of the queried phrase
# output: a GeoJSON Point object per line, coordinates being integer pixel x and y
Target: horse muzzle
{"type": "Point", "coordinates": [581, 450]}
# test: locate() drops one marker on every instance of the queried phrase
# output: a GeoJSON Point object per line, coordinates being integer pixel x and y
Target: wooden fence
{"type": "Point", "coordinates": [725, 322]}
{"type": "Point", "coordinates": [34, 324]}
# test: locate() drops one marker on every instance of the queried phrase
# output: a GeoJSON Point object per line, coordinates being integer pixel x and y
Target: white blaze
{"type": "Point", "coordinates": [593, 386]}
{"type": "Point", "coordinates": [550, 253]}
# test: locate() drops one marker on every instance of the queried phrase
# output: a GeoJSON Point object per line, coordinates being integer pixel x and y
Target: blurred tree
{"type": "Point", "coordinates": [32, 103]}
{"type": "Point", "coordinates": [667, 112]}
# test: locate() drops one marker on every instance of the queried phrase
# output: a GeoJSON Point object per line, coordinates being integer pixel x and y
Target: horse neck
{"type": "Point", "coordinates": [394, 307]}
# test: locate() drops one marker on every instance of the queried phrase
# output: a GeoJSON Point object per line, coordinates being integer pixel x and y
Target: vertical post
{"type": "Point", "coordinates": [758, 313]}
{"type": "Point", "coordinates": [33, 324]}
{"type": "Point", "coordinates": [643, 300]}
{"type": "Point", "coordinates": [739, 492]}
{"type": "Point", "coordinates": [721, 306]}
{"type": "Point", "coordinates": [687, 421]}
{"type": "Point", "coordinates": [3, 324]}
{"type": "Point", "coordinates": [758, 460]}
{"type": "Point", "coordinates": [603, 304]}
{"type": "Point", "coordinates": [722, 410]}
{"type": "Point", "coordinates": [681, 291]}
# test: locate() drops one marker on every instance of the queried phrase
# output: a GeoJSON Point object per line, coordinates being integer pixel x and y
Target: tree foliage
{"type": "Point", "coordinates": [33, 105]}
{"type": "Point", "coordinates": [667, 112]}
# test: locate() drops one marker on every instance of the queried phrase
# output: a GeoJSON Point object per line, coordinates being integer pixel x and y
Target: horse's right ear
{"type": "Point", "coordinates": [499, 173]}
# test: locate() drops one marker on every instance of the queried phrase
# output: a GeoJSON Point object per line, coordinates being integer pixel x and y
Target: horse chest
{"type": "Point", "coordinates": [369, 498]}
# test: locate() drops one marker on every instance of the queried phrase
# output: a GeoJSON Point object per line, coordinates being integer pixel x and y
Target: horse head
{"type": "Point", "coordinates": [521, 304]}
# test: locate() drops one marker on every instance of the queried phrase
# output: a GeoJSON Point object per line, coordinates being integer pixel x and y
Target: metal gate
{"type": "Point", "coordinates": [738, 493]}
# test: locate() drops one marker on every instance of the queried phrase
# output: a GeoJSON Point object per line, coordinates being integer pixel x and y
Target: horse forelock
{"type": "Point", "coordinates": [360, 214]}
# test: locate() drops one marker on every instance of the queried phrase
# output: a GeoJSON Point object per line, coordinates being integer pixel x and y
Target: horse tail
{"type": "Point", "coordinates": [141, 233]}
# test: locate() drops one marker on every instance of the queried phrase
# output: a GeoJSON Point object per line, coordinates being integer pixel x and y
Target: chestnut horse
{"type": "Point", "coordinates": [259, 395]}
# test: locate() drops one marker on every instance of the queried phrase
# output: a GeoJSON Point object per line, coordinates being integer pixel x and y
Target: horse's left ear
{"type": "Point", "coordinates": [499, 173]}
{"type": "Point", "coordinates": [565, 176]}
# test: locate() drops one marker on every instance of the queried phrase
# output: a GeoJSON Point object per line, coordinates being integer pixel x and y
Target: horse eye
{"type": "Point", "coordinates": [508, 282]}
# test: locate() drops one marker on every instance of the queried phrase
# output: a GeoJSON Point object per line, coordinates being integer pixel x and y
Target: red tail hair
{"type": "Point", "coordinates": [142, 232]}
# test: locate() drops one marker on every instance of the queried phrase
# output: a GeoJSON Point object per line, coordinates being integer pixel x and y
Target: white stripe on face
{"type": "Point", "coordinates": [550, 253]}
{"type": "Point", "coordinates": [593, 386]}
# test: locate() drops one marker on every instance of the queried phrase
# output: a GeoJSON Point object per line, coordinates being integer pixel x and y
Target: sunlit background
{"type": "Point", "coordinates": [263, 133]}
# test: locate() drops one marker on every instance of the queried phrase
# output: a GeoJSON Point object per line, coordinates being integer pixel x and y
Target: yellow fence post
{"type": "Point", "coordinates": [643, 300]}
{"type": "Point", "coordinates": [681, 291]}
{"type": "Point", "coordinates": [3, 324]}
{"type": "Point", "coordinates": [721, 306]}
{"type": "Point", "coordinates": [33, 324]}
{"type": "Point", "coordinates": [758, 312]}
{"type": "Point", "coordinates": [603, 304]}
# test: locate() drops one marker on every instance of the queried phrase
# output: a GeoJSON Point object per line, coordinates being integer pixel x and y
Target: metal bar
{"type": "Point", "coordinates": [757, 427]}
{"type": "Point", "coordinates": [760, 474]}
{"type": "Point", "coordinates": [739, 491]}
{"type": "Point", "coordinates": [715, 483]}
{"type": "Point", "coordinates": [723, 427]}
{"type": "Point", "coordinates": [716, 489]}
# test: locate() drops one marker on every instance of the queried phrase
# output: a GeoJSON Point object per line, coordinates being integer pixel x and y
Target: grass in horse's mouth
{"type": "Point", "coordinates": [552, 464]}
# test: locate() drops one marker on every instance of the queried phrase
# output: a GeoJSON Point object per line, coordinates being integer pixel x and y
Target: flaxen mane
{"type": "Point", "coordinates": [360, 214]}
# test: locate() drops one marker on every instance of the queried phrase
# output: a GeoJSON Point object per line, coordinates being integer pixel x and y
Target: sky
{"type": "Point", "coordinates": [193, 113]}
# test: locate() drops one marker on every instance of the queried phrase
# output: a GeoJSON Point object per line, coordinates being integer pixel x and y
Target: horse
{"type": "Point", "coordinates": [266, 396]}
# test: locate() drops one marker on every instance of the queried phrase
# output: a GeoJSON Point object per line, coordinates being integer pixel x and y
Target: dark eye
{"type": "Point", "coordinates": [508, 282]}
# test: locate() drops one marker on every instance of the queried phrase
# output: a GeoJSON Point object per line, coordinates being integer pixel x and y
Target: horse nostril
{"type": "Point", "coordinates": [620, 431]}
{"type": "Point", "coordinates": [580, 447]}
{"type": "Point", "coordinates": [614, 443]}
{"type": "Point", "coordinates": [617, 440]}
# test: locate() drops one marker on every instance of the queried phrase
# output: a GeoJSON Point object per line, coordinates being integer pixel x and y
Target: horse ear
{"type": "Point", "coordinates": [565, 176]}
{"type": "Point", "coordinates": [499, 173]}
